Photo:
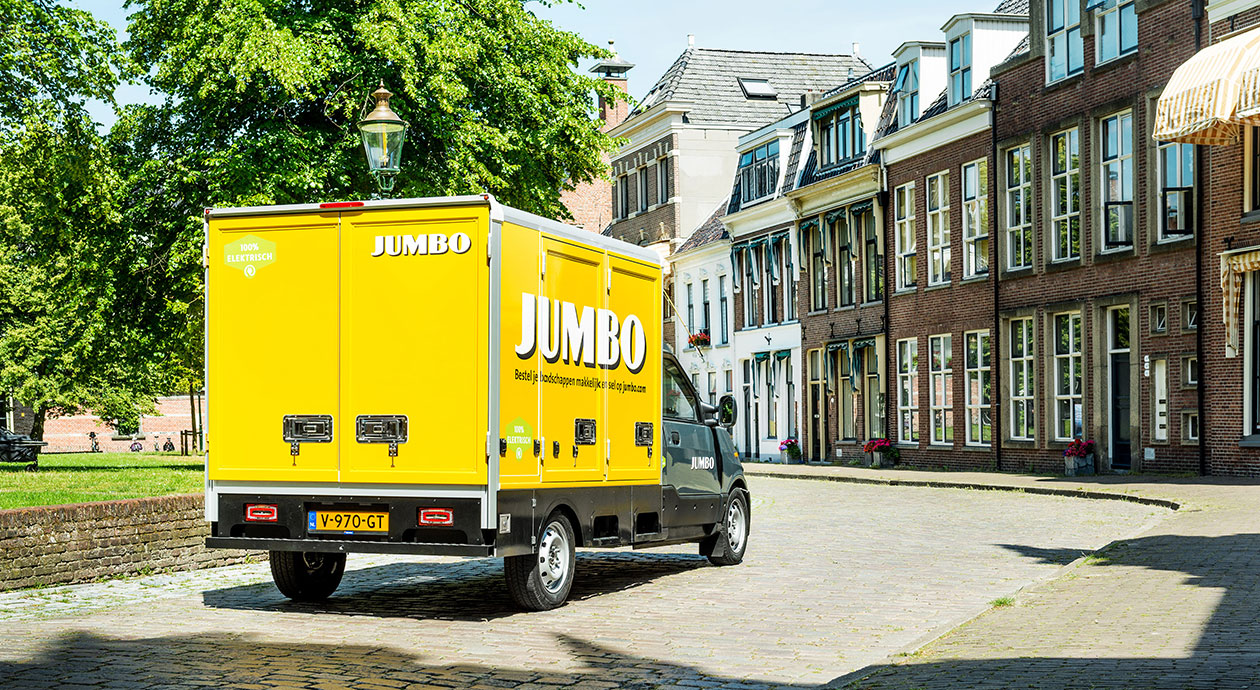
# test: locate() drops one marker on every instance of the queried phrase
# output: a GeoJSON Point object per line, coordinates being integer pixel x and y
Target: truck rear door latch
{"type": "Point", "coordinates": [307, 428]}
{"type": "Point", "coordinates": [382, 428]}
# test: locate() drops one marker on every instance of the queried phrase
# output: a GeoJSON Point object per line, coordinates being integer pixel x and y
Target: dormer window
{"type": "Point", "coordinates": [907, 90]}
{"type": "Point", "coordinates": [960, 69]}
{"type": "Point", "coordinates": [759, 171]}
{"type": "Point", "coordinates": [840, 135]}
{"type": "Point", "coordinates": [757, 89]}
{"type": "Point", "coordinates": [1064, 49]}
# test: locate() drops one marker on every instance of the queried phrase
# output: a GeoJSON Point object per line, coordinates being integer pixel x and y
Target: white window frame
{"type": "Point", "coordinates": [908, 390]}
{"type": "Point", "coordinates": [753, 169]}
{"type": "Point", "coordinates": [1022, 358]}
{"type": "Point", "coordinates": [1070, 362]}
{"type": "Point", "coordinates": [1159, 311]}
{"type": "Point", "coordinates": [1176, 191]}
{"type": "Point", "coordinates": [941, 368]}
{"type": "Point", "coordinates": [723, 303]}
{"type": "Point", "coordinates": [978, 393]}
{"type": "Point", "coordinates": [1117, 199]}
{"type": "Point", "coordinates": [1189, 316]}
{"type": "Point", "coordinates": [1190, 371]}
{"type": "Point", "coordinates": [959, 71]}
{"type": "Point", "coordinates": [1063, 31]}
{"type": "Point", "coordinates": [1018, 217]}
{"type": "Point", "coordinates": [1114, 22]}
{"type": "Point", "coordinates": [975, 215]}
{"type": "Point", "coordinates": [938, 228]}
{"type": "Point", "coordinates": [691, 313]}
{"type": "Point", "coordinates": [643, 190]}
{"type": "Point", "coordinates": [662, 180]}
{"type": "Point", "coordinates": [1190, 432]}
{"type": "Point", "coordinates": [906, 240]}
{"type": "Point", "coordinates": [1065, 216]}
{"type": "Point", "coordinates": [908, 94]}
{"type": "Point", "coordinates": [624, 205]}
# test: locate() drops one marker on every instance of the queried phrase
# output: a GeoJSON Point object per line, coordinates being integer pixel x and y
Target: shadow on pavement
{"type": "Point", "coordinates": [471, 590]}
{"type": "Point", "coordinates": [235, 660]}
{"type": "Point", "coordinates": [1226, 654]}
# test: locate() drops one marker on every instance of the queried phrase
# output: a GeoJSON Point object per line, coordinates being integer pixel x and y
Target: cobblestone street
{"type": "Point", "coordinates": [838, 578]}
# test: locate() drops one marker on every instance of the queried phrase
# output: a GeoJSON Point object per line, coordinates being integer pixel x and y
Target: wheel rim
{"type": "Point", "coordinates": [553, 558]}
{"type": "Point", "coordinates": [313, 561]}
{"type": "Point", "coordinates": [735, 522]}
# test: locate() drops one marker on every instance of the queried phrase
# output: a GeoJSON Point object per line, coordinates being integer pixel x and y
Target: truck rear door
{"type": "Point", "coordinates": [414, 323]}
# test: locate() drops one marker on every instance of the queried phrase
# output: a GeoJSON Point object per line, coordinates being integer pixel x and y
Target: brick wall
{"type": "Point", "coordinates": [84, 542]}
{"type": "Point", "coordinates": [660, 221]}
{"type": "Point", "coordinates": [954, 308]}
{"type": "Point", "coordinates": [70, 433]}
{"type": "Point", "coordinates": [1224, 229]}
{"type": "Point", "coordinates": [1030, 111]}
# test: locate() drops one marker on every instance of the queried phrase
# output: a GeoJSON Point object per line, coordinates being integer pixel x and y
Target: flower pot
{"type": "Point", "coordinates": [1077, 466]}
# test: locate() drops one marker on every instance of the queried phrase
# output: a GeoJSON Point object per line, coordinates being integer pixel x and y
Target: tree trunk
{"type": "Point", "coordinates": [37, 425]}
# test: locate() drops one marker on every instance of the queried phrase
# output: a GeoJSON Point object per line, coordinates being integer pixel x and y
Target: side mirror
{"type": "Point", "coordinates": [708, 413]}
{"type": "Point", "coordinates": [727, 411]}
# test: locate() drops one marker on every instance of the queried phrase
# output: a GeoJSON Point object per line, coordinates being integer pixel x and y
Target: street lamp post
{"type": "Point", "coordinates": [383, 134]}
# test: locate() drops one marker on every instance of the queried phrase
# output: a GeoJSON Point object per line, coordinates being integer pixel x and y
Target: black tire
{"type": "Point", "coordinates": [307, 576]}
{"type": "Point", "coordinates": [735, 520]}
{"type": "Point", "coordinates": [541, 581]}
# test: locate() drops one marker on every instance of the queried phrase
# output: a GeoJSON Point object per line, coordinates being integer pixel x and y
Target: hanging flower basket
{"type": "Point", "coordinates": [699, 339]}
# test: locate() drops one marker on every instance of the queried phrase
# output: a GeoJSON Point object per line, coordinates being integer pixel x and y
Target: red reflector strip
{"type": "Point", "coordinates": [342, 204]}
{"type": "Point", "coordinates": [261, 512]}
{"type": "Point", "coordinates": [437, 516]}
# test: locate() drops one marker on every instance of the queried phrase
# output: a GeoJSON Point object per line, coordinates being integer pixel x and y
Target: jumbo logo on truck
{"type": "Point", "coordinates": [593, 337]}
{"type": "Point", "coordinates": [411, 245]}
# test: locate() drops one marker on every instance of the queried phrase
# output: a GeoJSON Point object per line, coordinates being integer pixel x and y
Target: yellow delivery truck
{"type": "Point", "coordinates": [450, 376]}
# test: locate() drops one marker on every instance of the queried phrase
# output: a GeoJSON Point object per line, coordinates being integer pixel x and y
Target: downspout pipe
{"type": "Point", "coordinates": [1196, 12]}
{"type": "Point", "coordinates": [995, 269]}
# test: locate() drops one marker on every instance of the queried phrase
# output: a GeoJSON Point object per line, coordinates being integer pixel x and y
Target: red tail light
{"type": "Point", "coordinates": [341, 204]}
{"type": "Point", "coordinates": [437, 516]}
{"type": "Point", "coordinates": [261, 512]}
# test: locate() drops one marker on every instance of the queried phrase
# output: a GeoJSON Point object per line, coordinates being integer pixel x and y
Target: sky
{"type": "Point", "coordinates": [652, 33]}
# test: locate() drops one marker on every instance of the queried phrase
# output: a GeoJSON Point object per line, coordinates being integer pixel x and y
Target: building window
{"type": "Point", "coordinates": [1189, 315]}
{"type": "Point", "coordinates": [872, 257]}
{"type": "Point", "coordinates": [908, 390]}
{"type": "Point", "coordinates": [759, 171]}
{"type": "Point", "coordinates": [704, 306]}
{"type": "Point", "coordinates": [770, 279]}
{"type": "Point", "coordinates": [941, 367]}
{"type": "Point", "coordinates": [624, 207]}
{"type": "Point", "coordinates": [643, 190]}
{"type": "Point", "coordinates": [1067, 376]}
{"type": "Point", "coordinates": [1254, 169]}
{"type": "Point", "coordinates": [730, 380]}
{"type": "Point", "coordinates": [938, 228]}
{"type": "Point", "coordinates": [1159, 391]}
{"type": "Point", "coordinates": [1190, 371]}
{"type": "Point", "coordinates": [979, 417]}
{"type": "Point", "coordinates": [839, 228]}
{"type": "Point", "coordinates": [844, 395]}
{"type": "Point", "coordinates": [1159, 318]}
{"type": "Point", "coordinates": [1066, 188]}
{"type": "Point", "coordinates": [1022, 383]}
{"type": "Point", "coordinates": [1065, 52]}
{"type": "Point", "coordinates": [818, 269]}
{"type": "Point", "coordinates": [712, 387]}
{"type": "Point", "coordinates": [841, 138]}
{"type": "Point", "coordinates": [789, 281]}
{"type": "Point", "coordinates": [1117, 180]}
{"type": "Point", "coordinates": [1176, 191]}
{"type": "Point", "coordinates": [907, 90]}
{"type": "Point", "coordinates": [874, 394]}
{"type": "Point", "coordinates": [975, 218]}
{"type": "Point", "coordinates": [903, 201]}
{"type": "Point", "coordinates": [691, 312]}
{"type": "Point", "coordinates": [1117, 27]}
{"type": "Point", "coordinates": [722, 319]}
{"type": "Point", "coordinates": [662, 180]}
{"type": "Point", "coordinates": [1190, 426]}
{"type": "Point", "coordinates": [960, 69]}
{"type": "Point", "coordinates": [772, 402]}
{"type": "Point", "coordinates": [1019, 208]}
{"type": "Point", "coordinates": [752, 258]}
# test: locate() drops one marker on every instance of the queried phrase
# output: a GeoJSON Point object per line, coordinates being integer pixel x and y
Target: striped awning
{"type": "Point", "coordinates": [1233, 268]}
{"type": "Point", "coordinates": [1201, 103]}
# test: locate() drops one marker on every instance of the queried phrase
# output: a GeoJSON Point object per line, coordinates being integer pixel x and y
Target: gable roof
{"type": "Point", "coordinates": [708, 79]}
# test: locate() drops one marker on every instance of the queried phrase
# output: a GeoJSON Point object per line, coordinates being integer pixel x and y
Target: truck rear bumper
{"type": "Point", "coordinates": [330, 546]}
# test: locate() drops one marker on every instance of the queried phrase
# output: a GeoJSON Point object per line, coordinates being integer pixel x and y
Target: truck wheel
{"type": "Point", "coordinates": [542, 581]}
{"type": "Point", "coordinates": [732, 540]}
{"type": "Point", "coordinates": [307, 576]}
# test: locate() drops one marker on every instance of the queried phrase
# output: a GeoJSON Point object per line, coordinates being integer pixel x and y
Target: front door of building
{"type": "Point", "coordinates": [1118, 386]}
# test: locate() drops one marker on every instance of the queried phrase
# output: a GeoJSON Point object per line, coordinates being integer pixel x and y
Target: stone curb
{"type": "Point", "coordinates": [937, 484]}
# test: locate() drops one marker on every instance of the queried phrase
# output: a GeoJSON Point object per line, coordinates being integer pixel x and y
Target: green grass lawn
{"type": "Point", "coordinates": [84, 477]}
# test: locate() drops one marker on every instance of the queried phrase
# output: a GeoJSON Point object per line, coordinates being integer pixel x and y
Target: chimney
{"type": "Point", "coordinates": [857, 49]}
{"type": "Point", "coordinates": [691, 40]}
{"type": "Point", "coordinates": [809, 98]}
{"type": "Point", "coordinates": [613, 70]}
